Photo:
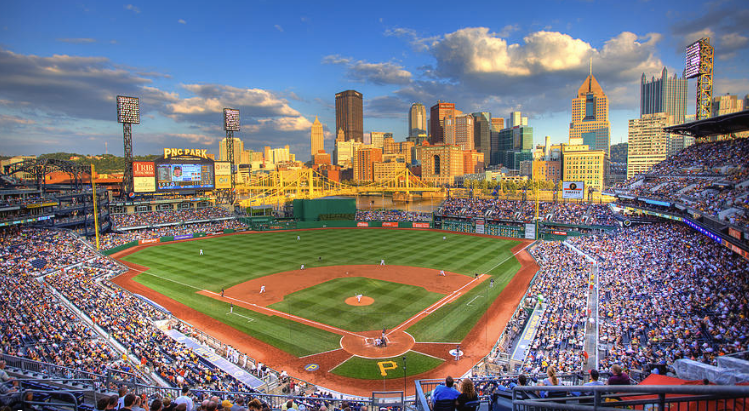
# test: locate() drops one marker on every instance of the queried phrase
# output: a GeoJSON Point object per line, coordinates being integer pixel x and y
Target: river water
{"type": "Point", "coordinates": [427, 205]}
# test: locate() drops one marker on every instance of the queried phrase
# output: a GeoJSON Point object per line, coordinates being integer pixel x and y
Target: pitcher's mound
{"type": "Point", "coordinates": [364, 301]}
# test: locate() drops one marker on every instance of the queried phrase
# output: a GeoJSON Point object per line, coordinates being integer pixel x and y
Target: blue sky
{"type": "Point", "coordinates": [281, 63]}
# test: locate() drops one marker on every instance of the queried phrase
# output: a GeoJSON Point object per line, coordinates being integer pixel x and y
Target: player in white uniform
{"type": "Point", "coordinates": [382, 262]}
{"type": "Point", "coordinates": [358, 297]}
{"type": "Point", "coordinates": [201, 251]}
{"type": "Point", "coordinates": [442, 273]}
{"type": "Point", "coordinates": [262, 289]}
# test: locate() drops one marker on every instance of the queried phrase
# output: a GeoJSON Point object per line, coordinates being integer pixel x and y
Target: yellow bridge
{"type": "Point", "coordinates": [280, 187]}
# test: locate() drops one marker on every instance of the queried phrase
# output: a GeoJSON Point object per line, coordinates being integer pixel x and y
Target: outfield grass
{"type": "Point", "coordinates": [394, 303]}
{"type": "Point", "coordinates": [367, 369]}
{"type": "Point", "coordinates": [178, 271]}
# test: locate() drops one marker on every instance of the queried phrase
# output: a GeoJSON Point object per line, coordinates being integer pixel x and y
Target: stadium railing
{"type": "Point", "coordinates": [648, 397]}
{"type": "Point", "coordinates": [274, 401]}
{"type": "Point", "coordinates": [42, 369]}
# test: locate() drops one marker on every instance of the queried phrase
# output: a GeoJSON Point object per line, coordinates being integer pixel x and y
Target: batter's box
{"type": "Point", "coordinates": [372, 341]}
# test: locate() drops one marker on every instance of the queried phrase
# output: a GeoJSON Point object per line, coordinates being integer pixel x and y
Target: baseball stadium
{"type": "Point", "coordinates": [416, 275]}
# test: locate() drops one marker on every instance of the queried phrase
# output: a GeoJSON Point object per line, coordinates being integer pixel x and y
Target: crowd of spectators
{"type": "Point", "coordinates": [36, 324]}
{"type": "Point", "coordinates": [114, 239]}
{"type": "Point", "coordinates": [129, 321]}
{"type": "Point", "coordinates": [668, 292]}
{"type": "Point", "coordinates": [392, 215]}
{"type": "Point", "coordinates": [151, 218]}
{"type": "Point", "coordinates": [30, 251]}
{"type": "Point", "coordinates": [706, 177]}
{"type": "Point", "coordinates": [558, 212]}
{"type": "Point", "coordinates": [562, 287]}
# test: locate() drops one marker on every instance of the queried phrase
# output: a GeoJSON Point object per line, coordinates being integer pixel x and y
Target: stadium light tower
{"type": "Point", "coordinates": [231, 124]}
{"type": "Point", "coordinates": [128, 113]}
{"type": "Point", "coordinates": [699, 63]}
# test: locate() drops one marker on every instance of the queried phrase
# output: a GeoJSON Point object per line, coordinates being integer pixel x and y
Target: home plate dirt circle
{"type": "Point", "coordinates": [364, 301]}
{"type": "Point", "coordinates": [362, 344]}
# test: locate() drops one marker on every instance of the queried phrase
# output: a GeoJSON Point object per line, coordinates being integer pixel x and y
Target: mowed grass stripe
{"type": "Point", "coordinates": [394, 303]}
{"type": "Point", "coordinates": [279, 332]}
{"type": "Point", "coordinates": [232, 260]}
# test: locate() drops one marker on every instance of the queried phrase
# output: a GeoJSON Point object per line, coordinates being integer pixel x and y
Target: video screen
{"type": "Point", "coordinates": [184, 176]}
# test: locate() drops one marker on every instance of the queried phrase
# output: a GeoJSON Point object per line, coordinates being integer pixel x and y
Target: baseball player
{"type": "Point", "coordinates": [201, 251]}
{"type": "Point", "coordinates": [231, 308]}
{"type": "Point", "coordinates": [442, 273]}
{"type": "Point", "coordinates": [382, 262]}
{"type": "Point", "coordinates": [302, 268]}
{"type": "Point", "coordinates": [262, 289]}
{"type": "Point", "coordinates": [358, 297]}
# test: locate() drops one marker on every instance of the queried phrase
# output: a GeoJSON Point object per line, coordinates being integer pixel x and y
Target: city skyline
{"type": "Point", "coordinates": [64, 64]}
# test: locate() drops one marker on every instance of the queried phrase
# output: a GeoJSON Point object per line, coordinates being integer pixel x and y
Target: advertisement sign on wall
{"type": "Point", "coordinates": [574, 190]}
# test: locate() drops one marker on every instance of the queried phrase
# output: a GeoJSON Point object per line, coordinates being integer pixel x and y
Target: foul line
{"type": "Point", "coordinates": [474, 299]}
{"type": "Point", "coordinates": [432, 308]}
{"type": "Point", "coordinates": [243, 316]}
{"type": "Point", "coordinates": [168, 279]}
{"type": "Point", "coordinates": [513, 255]}
{"type": "Point", "coordinates": [260, 309]}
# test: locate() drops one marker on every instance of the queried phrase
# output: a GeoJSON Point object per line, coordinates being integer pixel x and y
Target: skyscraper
{"type": "Point", "coordinates": [316, 137]}
{"type": "Point", "coordinates": [349, 115]}
{"type": "Point", "coordinates": [437, 115]}
{"type": "Point", "coordinates": [664, 95]}
{"type": "Point", "coordinates": [648, 143]}
{"type": "Point", "coordinates": [482, 125]}
{"type": "Point", "coordinates": [590, 116]}
{"type": "Point", "coordinates": [238, 149]}
{"type": "Point", "coordinates": [417, 120]}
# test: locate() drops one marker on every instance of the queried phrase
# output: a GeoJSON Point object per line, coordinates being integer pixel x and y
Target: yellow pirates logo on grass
{"type": "Point", "coordinates": [385, 366]}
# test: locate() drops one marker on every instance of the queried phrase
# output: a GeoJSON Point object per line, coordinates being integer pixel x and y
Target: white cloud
{"type": "Point", "coordinates": [181, 21]}
{"type": "Point", "coordinates": [82, 40]}
{"type": "Point", "coordinates": [278, 27]}
{"type": "Point", "coordinates": [479, 70]}
{"type": "Point", "coordinates": [378, 73]}
{"type": "Point", "coordinates": [132, 8]}
{"type": "Point", "coordinates": [508, 29]}
{"type": "Point", "coordinates": [365, 72]}
{"type": "Point", "coordinates": [417, 42]}
{"type": "Point", "coordinates": [335, 59]}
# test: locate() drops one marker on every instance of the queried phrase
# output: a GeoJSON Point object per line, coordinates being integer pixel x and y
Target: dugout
{"type": "Point", "coordinates": [325, 209]}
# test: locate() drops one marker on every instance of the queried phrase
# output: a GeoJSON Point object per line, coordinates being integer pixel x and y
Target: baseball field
{"type": "Point", "coordinates": [322, 322]}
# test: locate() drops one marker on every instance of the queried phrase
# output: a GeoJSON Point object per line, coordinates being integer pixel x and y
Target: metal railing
{"type": "Point", "coordinates": [648, 397]}
{"type": "Point", "coordinates": [52, 371]}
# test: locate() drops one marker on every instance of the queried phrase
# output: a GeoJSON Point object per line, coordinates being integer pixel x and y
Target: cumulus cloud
{"type": "Point", "coordinates": [375, 73]}
{"type": "Point", "coordinates": [132, 8]}
{"type": "Point", "coordinates": [66, 91]}
{"type": "Point", "coordinates": [724, 22]}
{"type": "Point", "coordinates": [474, 66]}
{"type": "Point", "coordinates": [181, 21]}
{"type": "Point", "coordinates": [78, 87]}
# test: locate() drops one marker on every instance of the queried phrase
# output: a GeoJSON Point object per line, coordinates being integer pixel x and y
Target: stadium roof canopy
{"type": "Point", "coordinates": [725, 124]}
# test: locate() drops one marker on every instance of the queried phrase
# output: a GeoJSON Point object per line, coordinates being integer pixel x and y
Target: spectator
{"type": "Point", "coordinates": [467, 394]}
{"type": "Point", "coordinates": [618, 377]}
